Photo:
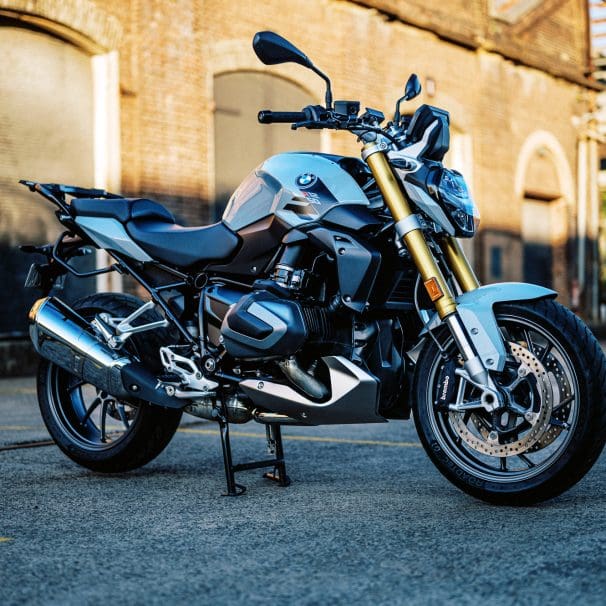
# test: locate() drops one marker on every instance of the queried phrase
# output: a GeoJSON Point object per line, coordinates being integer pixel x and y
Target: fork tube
{"type": "Point", "coordinates": [458, 263]}
{"type": "Point", "coordinates": [414, 239]}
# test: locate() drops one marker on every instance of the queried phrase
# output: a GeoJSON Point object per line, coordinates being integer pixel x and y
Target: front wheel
{"type": "Point", "coordinates": [552, 425]}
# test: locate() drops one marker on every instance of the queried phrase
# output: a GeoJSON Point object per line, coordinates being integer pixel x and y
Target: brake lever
{"type": "Point", "coordinates": [357, 127]}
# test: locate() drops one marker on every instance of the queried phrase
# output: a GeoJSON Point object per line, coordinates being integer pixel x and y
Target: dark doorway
{"type": "Point", "coordinates": [537, 236]}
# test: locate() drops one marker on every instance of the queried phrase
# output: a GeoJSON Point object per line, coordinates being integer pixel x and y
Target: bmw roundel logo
{"type": "Point", "coordinates": [306, 180]}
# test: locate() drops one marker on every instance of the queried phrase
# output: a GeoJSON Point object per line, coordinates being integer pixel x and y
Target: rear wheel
{"type": "Point", "coordinates": [552, 426]}
{"type": "Point", "coordinates": [90, 426]}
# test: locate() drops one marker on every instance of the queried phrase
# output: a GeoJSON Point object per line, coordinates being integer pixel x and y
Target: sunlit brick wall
{"type": "Point", "coordinates": [171, 50]}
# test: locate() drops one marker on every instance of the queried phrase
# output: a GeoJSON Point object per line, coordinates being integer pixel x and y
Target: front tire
{"type": "Point", "coordinates": [511, 457]}
{"type": "Point", "coordinates": [88, 425]}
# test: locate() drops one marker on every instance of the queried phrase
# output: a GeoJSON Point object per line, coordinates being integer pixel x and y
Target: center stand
{"type": "Point", "coordinates": [274, 447]}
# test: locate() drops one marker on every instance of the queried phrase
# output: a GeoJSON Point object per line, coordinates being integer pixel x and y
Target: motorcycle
{"type": "Point", "coordinates": [334, 290]}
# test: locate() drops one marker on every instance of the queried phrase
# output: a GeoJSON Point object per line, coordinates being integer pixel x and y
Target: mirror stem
{"type": "Point", "coordinates": [397, 116]}
{"type": "Point", "coordinates": [328, 87]}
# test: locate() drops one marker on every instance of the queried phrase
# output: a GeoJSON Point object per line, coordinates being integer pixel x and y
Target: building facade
{"type": "Point", "coordinates": [597, 15]}
{"type": "Point", "coordinates": [158, 99]}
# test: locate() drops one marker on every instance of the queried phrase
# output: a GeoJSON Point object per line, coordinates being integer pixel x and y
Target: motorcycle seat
{"type": "Point", "coordinates": [121, 209]}
{"type": "Point", "coordinates": [154, 229]}
{"type": "Point", "coordinates": [183, 246]}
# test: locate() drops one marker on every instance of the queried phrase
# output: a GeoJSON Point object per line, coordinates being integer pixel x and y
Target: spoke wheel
{"type": "Point", "coordinates": [93, 418]}
{"type": "Point", "coordinates": [92, 427]}
{"type": "Point", "coordinates": [530, 431]}
{"type": "Point", "coordinates": [551, 426]}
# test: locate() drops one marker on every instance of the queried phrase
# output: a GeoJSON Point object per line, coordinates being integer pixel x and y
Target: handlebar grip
{"type": "Point", "coordinates": [267, 116]}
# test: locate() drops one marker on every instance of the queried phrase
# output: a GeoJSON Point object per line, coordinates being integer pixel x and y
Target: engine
{"type": "Point", "coordinates": [261, 326]}
{"type": "Point", "coordinates": [290, 325]}
{"type": "Point", "coordinates": [262, 330]}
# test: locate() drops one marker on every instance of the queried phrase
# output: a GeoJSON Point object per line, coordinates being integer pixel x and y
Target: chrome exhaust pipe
{"type": "Point", "coordinates": [62, 336]}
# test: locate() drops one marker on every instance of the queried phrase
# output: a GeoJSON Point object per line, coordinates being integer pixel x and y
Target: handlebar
{"type": "Point", "coordinates": [267, 116]}
{"type": "Point", "coordinates": [317, 117]}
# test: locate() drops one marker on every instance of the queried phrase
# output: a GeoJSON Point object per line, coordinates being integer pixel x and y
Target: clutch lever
{"type": "Point", "coordinates": [314, 124]}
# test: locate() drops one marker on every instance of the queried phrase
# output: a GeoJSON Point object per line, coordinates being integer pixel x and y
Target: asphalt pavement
{"type": "Point", "coordinates": [367, 520]}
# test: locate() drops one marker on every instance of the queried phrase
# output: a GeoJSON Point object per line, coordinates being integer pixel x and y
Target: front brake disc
{"type": "Point", "coordinates": [532, 429]}
{"type": "Point", "coordinates": [561, 405]}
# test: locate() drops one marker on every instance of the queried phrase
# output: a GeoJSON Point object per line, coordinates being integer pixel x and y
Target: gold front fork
{"type": "Point", "coordinates": [408, 228]}
{"type": "Point", "coordinates": [413, 237]}
{"type": "Point", "coordinates": [458, 263]}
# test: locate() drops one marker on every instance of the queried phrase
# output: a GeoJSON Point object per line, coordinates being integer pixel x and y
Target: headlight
{"type": "Point", "coordinates": [458, 203]}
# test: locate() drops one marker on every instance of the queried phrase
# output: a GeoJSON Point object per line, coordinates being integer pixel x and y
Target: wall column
{"type": "Point", "coordinates": [106, 94]}
{"type": "Point", "coordinates": [593, 230]}
{"type": "Point", "coordinates": [581, 210]}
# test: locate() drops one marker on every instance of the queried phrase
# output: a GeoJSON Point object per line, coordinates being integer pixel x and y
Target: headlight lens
{"type": "Point", "coordinates": [458, 203]}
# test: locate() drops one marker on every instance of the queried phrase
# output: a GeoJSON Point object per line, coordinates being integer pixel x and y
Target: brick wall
{"type": "Point", "coordinates": [164, 146]}
{"type": "Point", "coordinates": [170, 52]}
{"type": "Point", "coordinates": [548, 34]}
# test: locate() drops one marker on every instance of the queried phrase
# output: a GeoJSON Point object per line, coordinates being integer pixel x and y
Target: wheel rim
{"type": "Point", "coordinates": [550, 444]}
{"type": "Point", "coordinates": [89, 417]}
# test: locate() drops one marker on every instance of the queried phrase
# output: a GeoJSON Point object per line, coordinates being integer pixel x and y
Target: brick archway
{"type": "Point", "coordinates": [237, 55]}
{"type": "Point", "coordinates": [79, 21]}
{"type": "Point", "coordinates": [241, 143]}
{"type": "Point", "coordinates": [536, 140]}
{"type": "Point", "coordinates": [97, 34]}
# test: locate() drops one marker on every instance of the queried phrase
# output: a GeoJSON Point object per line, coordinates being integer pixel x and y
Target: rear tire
{"type": "Point", "coordinates": [147, 429]}
{"type": "Point", "coordinates": [576, 369]}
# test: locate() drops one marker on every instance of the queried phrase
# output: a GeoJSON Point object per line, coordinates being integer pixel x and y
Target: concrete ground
{"type": "Point", "coordinates": [367, 520]}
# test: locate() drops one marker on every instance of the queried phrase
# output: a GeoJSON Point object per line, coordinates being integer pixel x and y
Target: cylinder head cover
{"type": "Point", "coordinates": [261, 325]}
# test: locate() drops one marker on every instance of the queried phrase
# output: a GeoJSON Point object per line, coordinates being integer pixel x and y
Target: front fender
{"type": "Point", "coordinates": [475, 308]}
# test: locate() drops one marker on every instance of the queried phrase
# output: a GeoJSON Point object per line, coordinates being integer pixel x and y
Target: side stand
{"type": "Point", "coordinates": [274, 446]}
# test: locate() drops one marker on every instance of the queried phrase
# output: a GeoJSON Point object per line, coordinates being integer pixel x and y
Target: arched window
{"type": "Point", "coordinates": [241, 143]}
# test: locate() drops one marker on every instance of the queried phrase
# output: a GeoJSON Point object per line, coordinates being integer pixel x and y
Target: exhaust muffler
{"type": "Point", "coordinates": [64, 337]}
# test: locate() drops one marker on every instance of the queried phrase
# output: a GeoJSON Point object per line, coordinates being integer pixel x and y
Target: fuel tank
{"type": "Point", "coordinates": [296, 187]}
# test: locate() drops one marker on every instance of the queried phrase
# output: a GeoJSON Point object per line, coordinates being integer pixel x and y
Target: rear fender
{"type": "Point", "coordinates": [476, 310]}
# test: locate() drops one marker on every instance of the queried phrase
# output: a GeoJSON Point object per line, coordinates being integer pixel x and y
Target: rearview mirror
{"type": "Point", "coordinates": [273, 49]}
{"type": "Point", "coordinates": [412, 88]}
